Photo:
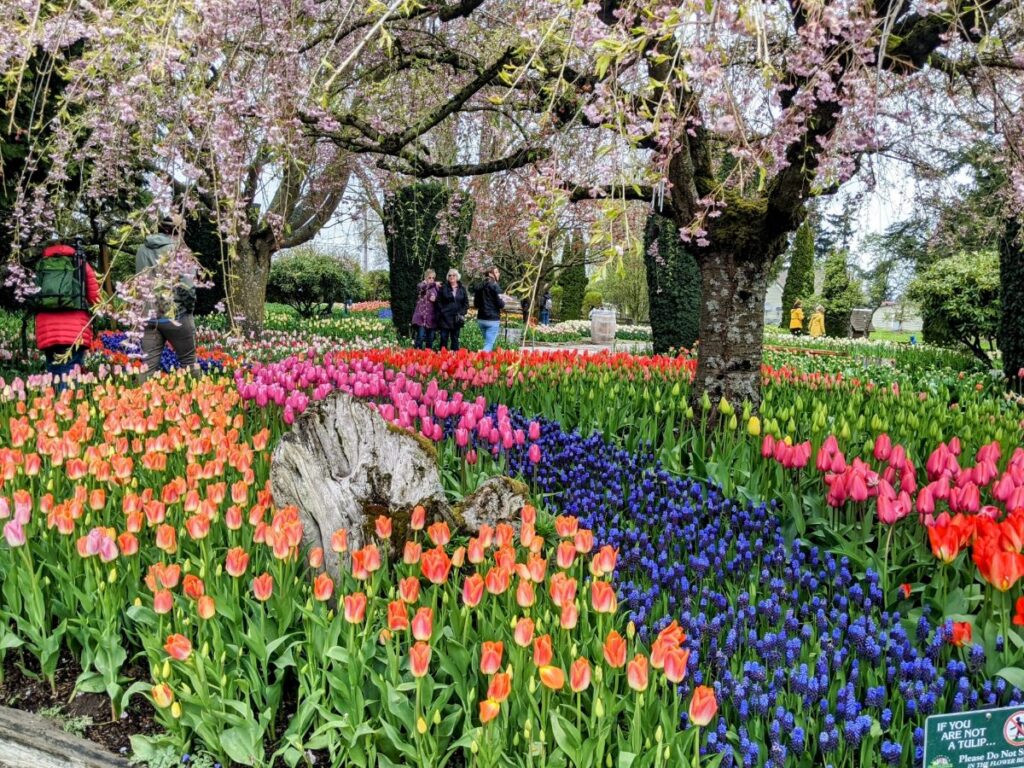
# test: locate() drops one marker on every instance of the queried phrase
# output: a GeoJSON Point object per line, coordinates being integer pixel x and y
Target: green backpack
{"type": "Point", "coordinates": [61, 284]}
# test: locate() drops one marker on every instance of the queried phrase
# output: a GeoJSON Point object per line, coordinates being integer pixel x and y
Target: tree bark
{"type": "Point", "coordinates": [733, 289]}
{"type": "Point", "coordinates": [247, 278]}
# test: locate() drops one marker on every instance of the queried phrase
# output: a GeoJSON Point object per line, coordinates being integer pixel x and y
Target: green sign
{"type": "Point", "coordinates": [991, 738]}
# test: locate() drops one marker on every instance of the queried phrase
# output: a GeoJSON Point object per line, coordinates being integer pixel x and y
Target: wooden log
{"type": "Point", "coordinates": [32, 741]}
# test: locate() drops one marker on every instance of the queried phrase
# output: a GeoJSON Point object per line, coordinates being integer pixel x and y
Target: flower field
{"type": "Point", "coordinates": [797, 587]}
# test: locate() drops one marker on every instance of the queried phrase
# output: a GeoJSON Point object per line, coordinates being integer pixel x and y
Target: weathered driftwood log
{"type": "Point", "coordinates": [31, 741]}
{"type": "Point", "coordinates": [342, 465]}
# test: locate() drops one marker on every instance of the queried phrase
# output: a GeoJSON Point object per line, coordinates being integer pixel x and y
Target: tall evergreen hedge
{"type": "Point", "coordinates": [1011, 294]}
{"type": "Point", "coordinates": [420, 234]}
{"type": "Point", "coordinates": [838, 295]}
{"type": "Point", "coordinates": [800, 278]}
{"type": "Point", "coordinates": [573, 279]}
{"type": "Point", "coordinates": [673, 284]}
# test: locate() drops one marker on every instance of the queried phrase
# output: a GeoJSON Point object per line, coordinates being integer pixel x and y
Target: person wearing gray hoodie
{"type": "Point", "coordinates": [168, 320]}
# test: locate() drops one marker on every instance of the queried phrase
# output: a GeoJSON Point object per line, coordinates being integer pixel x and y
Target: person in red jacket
{"type": "Point", "coordinates": [68, 331]}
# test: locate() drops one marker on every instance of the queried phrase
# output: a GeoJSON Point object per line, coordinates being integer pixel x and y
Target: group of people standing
{"type": "Point", "coordinates": [441, 309]}
{"type": "Point", "coordinates": [64, 322]}
{"type": "Point", "coordinates": [816, 327]}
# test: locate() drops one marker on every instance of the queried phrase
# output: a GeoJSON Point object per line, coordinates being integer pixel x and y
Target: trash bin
{"type": "Point", "coordinates": [602, 326]}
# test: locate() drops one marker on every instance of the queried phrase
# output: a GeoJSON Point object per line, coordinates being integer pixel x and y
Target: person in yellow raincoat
{"type": "Point", "coordinates": [817, 327]}
{"type": "Point", "coordinates": [796, 319]}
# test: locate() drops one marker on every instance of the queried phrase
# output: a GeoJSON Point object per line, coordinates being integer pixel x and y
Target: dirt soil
{"type": "Point", "coordinates": [23, 689]}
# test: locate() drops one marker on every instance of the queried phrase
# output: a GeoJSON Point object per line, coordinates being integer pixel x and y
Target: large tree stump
{"type": "Point", "coordinates": [342, 465]}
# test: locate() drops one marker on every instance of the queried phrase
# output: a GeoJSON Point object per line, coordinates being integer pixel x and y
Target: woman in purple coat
{"type": "Point", "coordinates": [423, 318]}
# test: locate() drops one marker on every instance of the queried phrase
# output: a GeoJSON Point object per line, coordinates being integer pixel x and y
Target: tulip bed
{"type": "Point", "coordinates": [796, 587]}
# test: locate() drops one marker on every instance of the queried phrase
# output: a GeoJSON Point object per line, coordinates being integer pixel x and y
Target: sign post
{"type": "Point", "coordinates": [991, 738]}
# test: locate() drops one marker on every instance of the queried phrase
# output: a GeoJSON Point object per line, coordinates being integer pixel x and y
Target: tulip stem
{"type": "Point", "coordinates": [696, 748]}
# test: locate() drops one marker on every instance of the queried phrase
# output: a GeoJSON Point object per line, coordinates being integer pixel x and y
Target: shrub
{"type": "Point", "coordinates": [556, 301]}
{"type": "Point", "coordinates": [839, 295]}
{"type": "Point", "coordinates": [1011, 282]}
{"type": "Point", "coordinates": [800, 278]}
{"type": "Point", "coordinates": [673, 284]}
{"type": "Point", "coordinates": [377, 285]}
{"type": "Point", "coordinates": [593, 300]}
{"type": "Point", "coordinates": [426, 225]}
{"type": "Point", "coordinates": [312, 282]}
{"type": "Point", "coordinates": [573, 280]}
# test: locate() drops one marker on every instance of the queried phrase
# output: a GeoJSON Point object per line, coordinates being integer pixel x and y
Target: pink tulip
{"type": "Point", "coordinates": [14, 533]}
{"type": "Point", "coordinates": [534, 431]}
{"type": "Point", "coordinates": [534, 454]}
{"type": "Point", "coordinates": [883, 447]}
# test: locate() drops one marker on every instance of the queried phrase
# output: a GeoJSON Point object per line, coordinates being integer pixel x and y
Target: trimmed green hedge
{"type": "Point", "coordinates": [674, 286]}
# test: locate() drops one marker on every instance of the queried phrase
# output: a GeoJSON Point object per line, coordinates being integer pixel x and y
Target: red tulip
{"type": "Point", "coordinates": [1000, 569]}
{"type": "Point", "coordinates": [961, 633]}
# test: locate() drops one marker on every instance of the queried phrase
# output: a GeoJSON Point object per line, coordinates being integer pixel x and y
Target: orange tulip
{"type": "Point", "coordinates": [383, 526]}
{"type": "Point", "coordinates": [206, 607]}
{"type": "Point", "coordinates": [552, 677]}
{"type": "Point", "coordinates": [602, 597]}
{"type": "Point", "coordinates": [538, 568]}
{"type": "Point", "coordinates": [178, 647]}
{"type": "Point", "coordinates": [486, 536]}
{"type": "Point", "coordinates": [128, 544]}
{"type": "Point", "coordinates": [263, 587]}
{"type": "Point", "coordinates": [675, 664]}
{"type": "Point", "coordinates": [489, 709]}
{"type": "Point", "coordinates": [365, 561]}
{"type": "Point", "coordinates": [490, 657]}
{"type": "Point", "coordinates": [504, 536]}
{"type": "Point", "coordinates": [1000, 569]}
{"type": "Point", "coordinates": [604, 561]}
{"type": "Point", "coordinates": [458, 557]}
{"type": "Point", "coordinates": [97, 499]}
{"type": "Point", "coordinates": [615, 649]}
{"type": "Point", "coordinates": [316, 557]}
{"type": "Point", "coordinates": [193, 587]}
{"type": "Point", "coordinates": [566, 554]}
{"type": "Point", "coordinates": [570, 616]}
{"type": "Point", "coordinates": [163, 696]}
{"type": "Point", "coordinates": [524, 632]}
{"type": "Point", "coordinates": [505, 557]}
{"type": "Point", "coordinates": [323, 587]}
{"type": "Point", "coordinates": [418, 518]}
{"type": "Point", "coordinates": [946, 542]}
{"type": "Point", "coordinates": [436, 565]}
{"type": "Point", "coordinates": [529, 514]}
{"type": "Point", "coordinates": [419, 659]}
{"type": "Point", "coordinates": [439, 534]}
{"type": "Point", "coordinates": [500, 686]}
{"type": "Point", "coordinates": [527, 533]}
{"type": "Point", "coordinates": [524, 594]}
{"type": "Point", "coordinates": [542, 651]}
{"type": "Point", "coordinates": [703, 706]}
{"type": "Point", "coordinates": [409, 589]}
{"type": "Point", "coordinates": [355, 608]}
{"type": "Point", "coordinates": [566, 526]}
{"type": "Point", "coordinates": [198, 527]}
{"type": "Point", "coordinates": [579, 675]}
{"type": "Point", "coordinates": [497, 580]}
{"type": "Point", "coordinates": [398, 616]}
{"type": "Point", "coordinates": [423, 624]}
{"type": "Point", "coordinates": [233, 518]}
{"type": "Point", "coordinates": [636, 673]}
{"type": "Point", "coordinates": [339, 541]}
{"type": "Point", "coordinates": [412, 552]}
{"type": "Point", "coordinates": [167, 539]}
{"type": "Point", "coordinates": [473, 590]}
{"type": "Point", "coordinates": [475, 551]}
{"type": "Point", "coordinates": [163, 602]}
{"type": "Point", "coordinates": [583, 541]}
{"type": "Point", "coordinates": [237, 561]}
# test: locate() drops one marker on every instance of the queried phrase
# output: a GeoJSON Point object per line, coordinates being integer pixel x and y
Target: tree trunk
{"type": "Point", "coordinates": [247, 284]}
{"type": "Point", "coordinates": [731, 328]}
{"type": "Point", "coordinates": [1011, 319]}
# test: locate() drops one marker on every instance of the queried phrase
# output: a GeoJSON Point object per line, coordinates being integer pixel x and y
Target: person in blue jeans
{"type": "Point", "coordinates": [488, 303]}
